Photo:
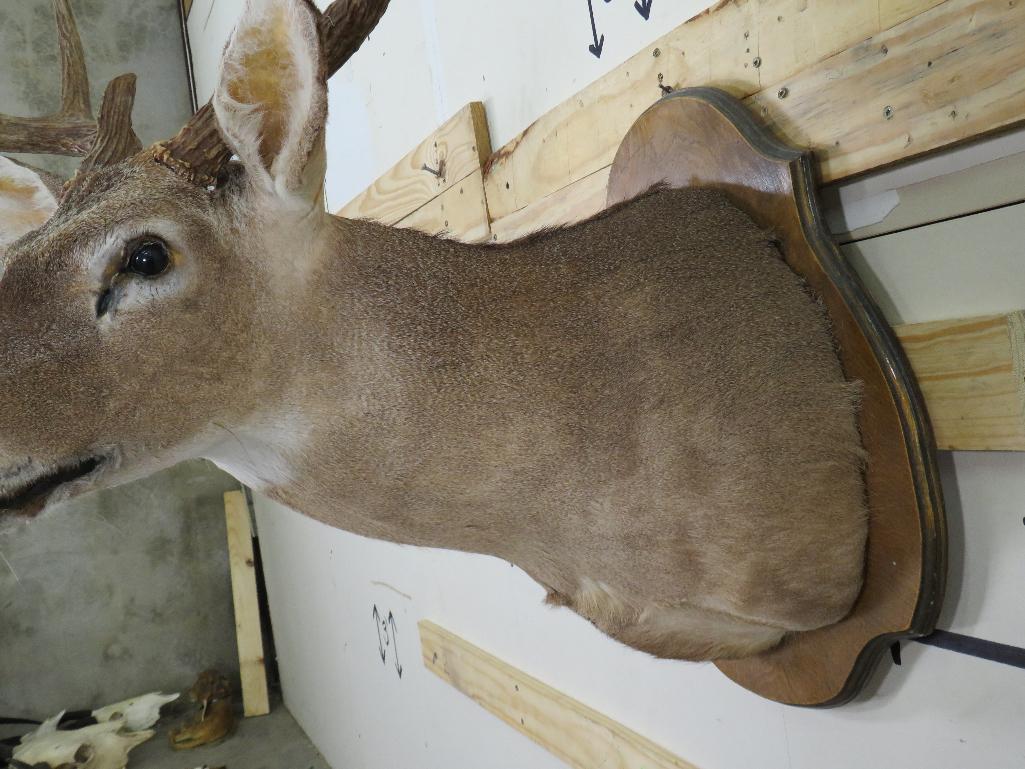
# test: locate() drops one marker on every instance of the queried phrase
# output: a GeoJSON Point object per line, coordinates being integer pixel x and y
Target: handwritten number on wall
{"type": "Point", "coordinates": [643, 7]}
{"type": "Point", "coordinates": [387, 637]}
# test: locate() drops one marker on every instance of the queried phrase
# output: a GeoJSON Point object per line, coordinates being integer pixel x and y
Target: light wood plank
{"type": "Point", "coordinates": [893, 12]}
{"type": "Point", "coordinates": [247, 607]}
{"type": "Point", "coordinates": [458, 149]}
{"type": "Point", "coordinates": [461, 212]}
{"type": "Point", "coordinates": [577, 734]}
{"type": "Point", "coordinates": [718, 47]}
{"type": "Point", "coordinates": [947, 75]}
{"type": "Point", "coordinates": [580, 136]}
{"type": "Point", "coordinates": [972, 376]}
{"type": "Point", "coordinates": [574, 203]}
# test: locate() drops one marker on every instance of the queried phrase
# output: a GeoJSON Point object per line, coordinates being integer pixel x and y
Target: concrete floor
{"type": "Point", "coordinates": [274, 741]}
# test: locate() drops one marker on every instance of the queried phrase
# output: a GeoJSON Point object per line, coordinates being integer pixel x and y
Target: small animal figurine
{"type": "Point", "coordinates": [215, 718]}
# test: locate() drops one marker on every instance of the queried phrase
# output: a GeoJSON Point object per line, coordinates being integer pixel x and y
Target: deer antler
{"type": "Point", "coordinates": [198, 151]}
{"type": "Point", "coordinates": [71, 130]}
{"type": "Point", "coordinates": [115, 139]}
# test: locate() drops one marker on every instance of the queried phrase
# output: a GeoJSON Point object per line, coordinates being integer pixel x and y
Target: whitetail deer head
{"type": "Point", "coordinates": [145, 293]}
{"type": "Point", "coordinates": [613, 407]}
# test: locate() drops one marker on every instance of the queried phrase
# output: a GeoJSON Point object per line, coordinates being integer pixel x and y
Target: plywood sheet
{"type": "Point", "coordinates": [461, 212]}
{"type": "Point", "coordinates": [971, 374]}
{"type": "Point", "coordinates": [441, 161]}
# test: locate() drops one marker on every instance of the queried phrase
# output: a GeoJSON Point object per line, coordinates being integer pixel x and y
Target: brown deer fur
{"type": "Point", "coordinates": [644, 411]}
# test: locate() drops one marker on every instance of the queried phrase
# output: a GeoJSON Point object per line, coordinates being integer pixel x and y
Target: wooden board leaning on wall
{"type": "Point", "coordinates": [577, 734]}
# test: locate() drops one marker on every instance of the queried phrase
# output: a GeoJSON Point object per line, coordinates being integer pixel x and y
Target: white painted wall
{"type": "Point", "coordinates": [428, 58]}
{"type": "Point", "coordinates": [521, 57]}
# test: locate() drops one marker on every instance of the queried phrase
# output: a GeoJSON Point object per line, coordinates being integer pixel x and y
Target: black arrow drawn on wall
{"type": "Point", "coordinates": [644, 8]}
{"type": "Point", "coordinates": [395, 643]}
{"type": "Point", "coordinates": [382, 634]}
{"type": "Point", "coordinates": [596, 47]}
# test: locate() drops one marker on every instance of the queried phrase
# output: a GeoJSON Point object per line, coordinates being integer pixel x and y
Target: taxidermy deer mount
{"type": "Point", "coordinates": [643, 411]}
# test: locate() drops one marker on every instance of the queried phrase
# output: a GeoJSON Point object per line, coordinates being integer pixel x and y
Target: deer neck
{"type": "Point", "coordinates": [347, 379]}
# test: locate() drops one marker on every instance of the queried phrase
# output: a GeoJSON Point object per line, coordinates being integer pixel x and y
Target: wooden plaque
{"type": "Point", "coordinates": [705, 138]}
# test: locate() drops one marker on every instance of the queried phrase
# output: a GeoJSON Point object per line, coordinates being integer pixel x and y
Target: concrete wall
{"type": "Point", "coordinates": [937, 709]}
{"type": "Point", "coordinates": [126, 590]}
{"type": "Point", "coordinates": [117, 593]}
{"type": "Point", "coordinates": [118, 36]}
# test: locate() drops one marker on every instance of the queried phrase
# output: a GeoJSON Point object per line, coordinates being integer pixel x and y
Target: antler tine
{"type": "Point", "coordinates": [74, 78]}
{"type": "Point", "coordinates": [71, 129]}
{"type": "Point", "coordinates": [115, 139]}
{"type": "Point", "coordinates": [198, 151]}
{"type": "Point", "coordinates": [345, 25]}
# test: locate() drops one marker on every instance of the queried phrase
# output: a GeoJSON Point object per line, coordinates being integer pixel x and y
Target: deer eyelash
{"type": "Point", "coordinates": [105, 300]}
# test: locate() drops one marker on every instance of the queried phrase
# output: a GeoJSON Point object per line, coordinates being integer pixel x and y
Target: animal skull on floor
{"type": "Point", "coordinates": [104, 745]}
{"type": "Point", "coordinates": [137, 713]}
{"type": "Point", "coordinates": [644, 411]}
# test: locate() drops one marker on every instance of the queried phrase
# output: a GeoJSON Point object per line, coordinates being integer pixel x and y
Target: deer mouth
{"type": "Point", "coordinates": [29, 496]}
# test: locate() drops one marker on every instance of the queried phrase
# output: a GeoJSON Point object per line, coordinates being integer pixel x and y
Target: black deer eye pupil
{"type": "Point", "coordinates": [149, 259]}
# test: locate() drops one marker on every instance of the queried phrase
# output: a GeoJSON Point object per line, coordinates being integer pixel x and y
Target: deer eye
{"type": "Point", "coordinates": [148, 258]}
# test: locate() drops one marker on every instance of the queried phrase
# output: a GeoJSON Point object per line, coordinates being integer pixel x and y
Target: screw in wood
{"type": "Point", "coordinates": [782, 92]}
{"type": "Point", "coordinates": [887, 112]}
{"type": "Point", "coordinates": [438, 172]}
{"type": "Point", "coordinates": [757, 62]}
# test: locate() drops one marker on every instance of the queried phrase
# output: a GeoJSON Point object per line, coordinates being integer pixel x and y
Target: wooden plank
{"type": "Point", "coordinates": [972, 375]}
{"type": "Point", "coordinates": [457, 149]}
{"type": "Point", "coordinates": [580, 136]}
{"type": "Point", "coordinates": [944, 76]}
{"type": "Point", "coordinates": [577, 734]}
{"type": "Point", "coordinates": [893, 12]}
{"type": "Point", "coordinates": [574, 203]}
{"type": "Point", "coordinates": [718, 47]}
{"type": "Point", "coordinates": [461, 212]}
{"type": "Point", "coordinates": [247, 607]}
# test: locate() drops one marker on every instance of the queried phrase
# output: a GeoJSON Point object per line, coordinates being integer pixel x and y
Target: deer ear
{"type": "Point", "coordinates": [271, 102]}
{"type": "Point", "coordinates": [26, 201]}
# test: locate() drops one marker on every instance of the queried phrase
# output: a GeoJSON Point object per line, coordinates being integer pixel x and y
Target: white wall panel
{"type": "Point", "coordinates": [939, 709]}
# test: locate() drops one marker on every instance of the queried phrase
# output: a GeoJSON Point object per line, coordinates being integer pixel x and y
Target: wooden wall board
{"type": "Point", "coordinates": [947, 75]}
{"type": "Point", "coordinates": [972, 376]}
{"type": "Point", "coordinates": [460, 212]}
{"type": "Point", "coordinates": [574, 203]}
{"type": "Point", "coordinates": [457, 148]}
{"type": "Point", "coordinates": [741, 46]}
{"type": "Point", "coordinates": [247, 607]}
{"type": "Point", "coordinates": [577, 734]}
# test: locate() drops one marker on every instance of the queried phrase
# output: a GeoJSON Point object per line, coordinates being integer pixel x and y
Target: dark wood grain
{"type": "Point", "coordinates": [704, 137]}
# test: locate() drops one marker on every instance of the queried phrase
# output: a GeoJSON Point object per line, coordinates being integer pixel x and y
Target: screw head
{"type": "Point", "coordinates": [757, 61]}
{"type": "Point", "coordinates": [782, 92]}
{"type": "Point", "coordinates": [887, 112]}
{"type": "Point", "coordinates": [657, 52]}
